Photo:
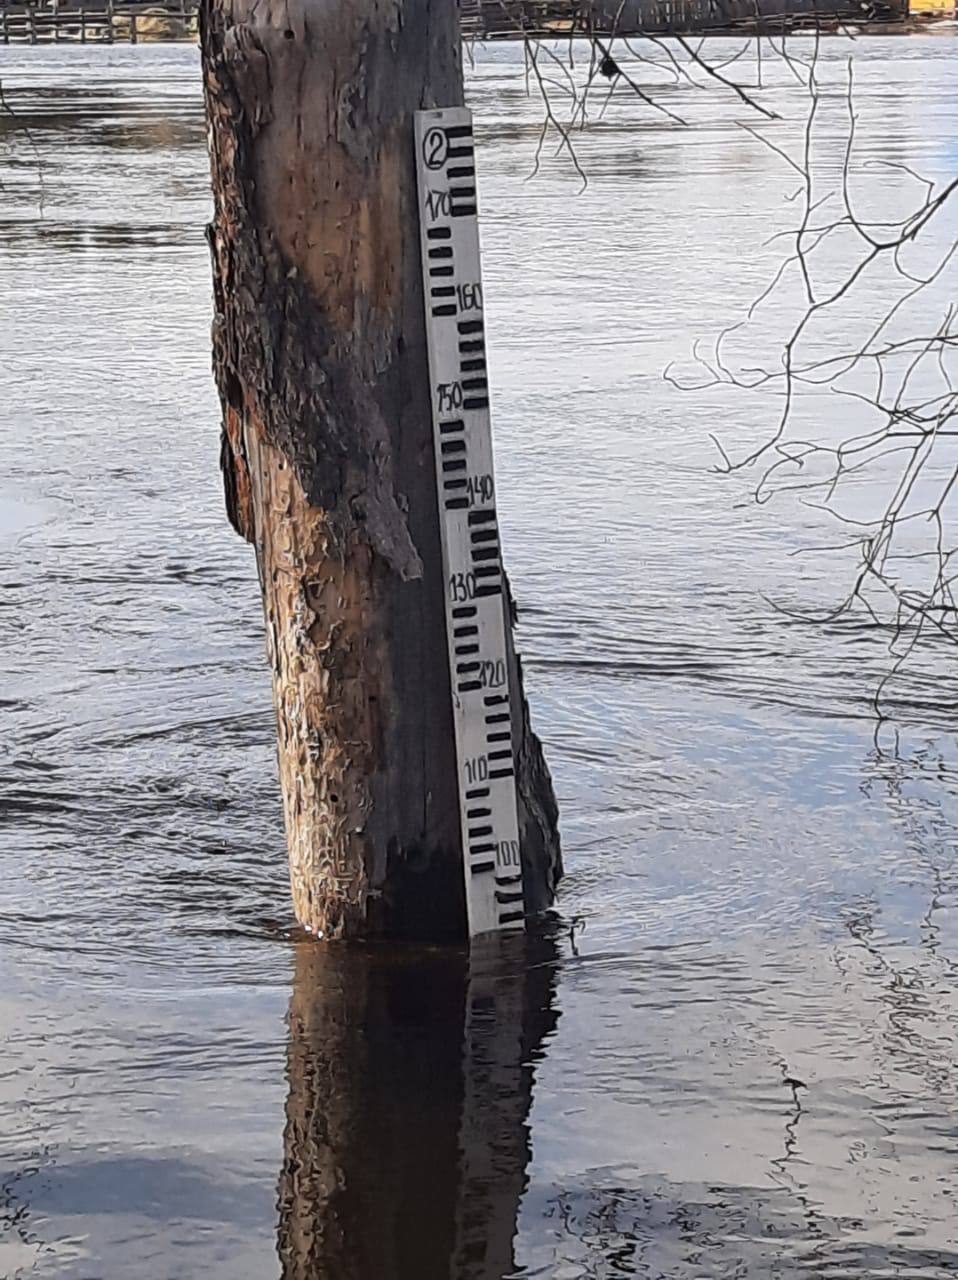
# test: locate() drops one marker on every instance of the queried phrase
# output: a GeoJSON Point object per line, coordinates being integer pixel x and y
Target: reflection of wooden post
{"type": "Point", "coordinates": [32, 19]}
{"type": "Point", "coordinates": [319, 349]}
{"type": "Point", "coordinates": [4, 28]}
{"type": "Point", "coordinates": [132, 26]}
{"type": "Point", "coordinates": [409, 1087]}
{"type": "Point", "coordinates": [109, 21]}
{"type": "Point", "coordinates": [83, 26]}
{"type": "Point", "coordinates": [508, 1015]}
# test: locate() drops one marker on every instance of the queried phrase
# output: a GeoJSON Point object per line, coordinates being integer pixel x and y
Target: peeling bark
{"type": "Point", "coordinates": [319, 355]}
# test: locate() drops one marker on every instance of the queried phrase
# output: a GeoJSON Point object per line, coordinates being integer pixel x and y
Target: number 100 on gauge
{"type": "Point", "coordinates": [472, 562]}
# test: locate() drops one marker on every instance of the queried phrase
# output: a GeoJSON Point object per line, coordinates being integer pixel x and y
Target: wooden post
{"type": "Point", "coordinates": [132, 26]}
{"type": "Point", "coordinates": [319, 353]}
{"type": "Point", "coordinates": [32, 20]}
{"type": "Point", "coordinates": [82, 26]}
{"type": "Point", "coordinates": [109, 21]}
{"type": "Point", "coordinates": [4, 26]}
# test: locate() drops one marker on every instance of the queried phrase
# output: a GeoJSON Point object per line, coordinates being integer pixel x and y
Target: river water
{"type": "Point", "coordinates": [756, 894]}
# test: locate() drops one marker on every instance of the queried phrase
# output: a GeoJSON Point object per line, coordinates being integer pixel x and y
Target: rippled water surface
{"type": "Point", "coordinates": [189, 1089]}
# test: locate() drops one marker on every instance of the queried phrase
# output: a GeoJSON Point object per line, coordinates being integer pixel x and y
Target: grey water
{"type": "Point", "coordinates": [735, 1053]}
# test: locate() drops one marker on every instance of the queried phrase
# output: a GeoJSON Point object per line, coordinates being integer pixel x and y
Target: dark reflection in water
{"type": "Point", "coordinates": [410, 1084]}
{"type": "Point", "coordinates": [722, 1232]}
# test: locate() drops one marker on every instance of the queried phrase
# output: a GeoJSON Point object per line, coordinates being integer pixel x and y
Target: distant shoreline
{"type": "Point", "coordinates": [176, 23]}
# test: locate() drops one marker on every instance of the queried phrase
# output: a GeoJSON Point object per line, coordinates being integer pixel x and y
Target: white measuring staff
{"type": "Point", "coordinates": [472, 560]}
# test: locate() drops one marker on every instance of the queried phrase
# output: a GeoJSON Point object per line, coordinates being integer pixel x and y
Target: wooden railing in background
{"type": "Point", "coordinates": [512, 19]}
{"type": "Point", "coordinates": [103, 23]}
{"type": "Point", "coordinates": [108, 21]}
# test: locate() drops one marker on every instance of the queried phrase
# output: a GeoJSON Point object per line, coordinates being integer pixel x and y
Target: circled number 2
{"type": "Point", "coordinates": [434, 148]}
